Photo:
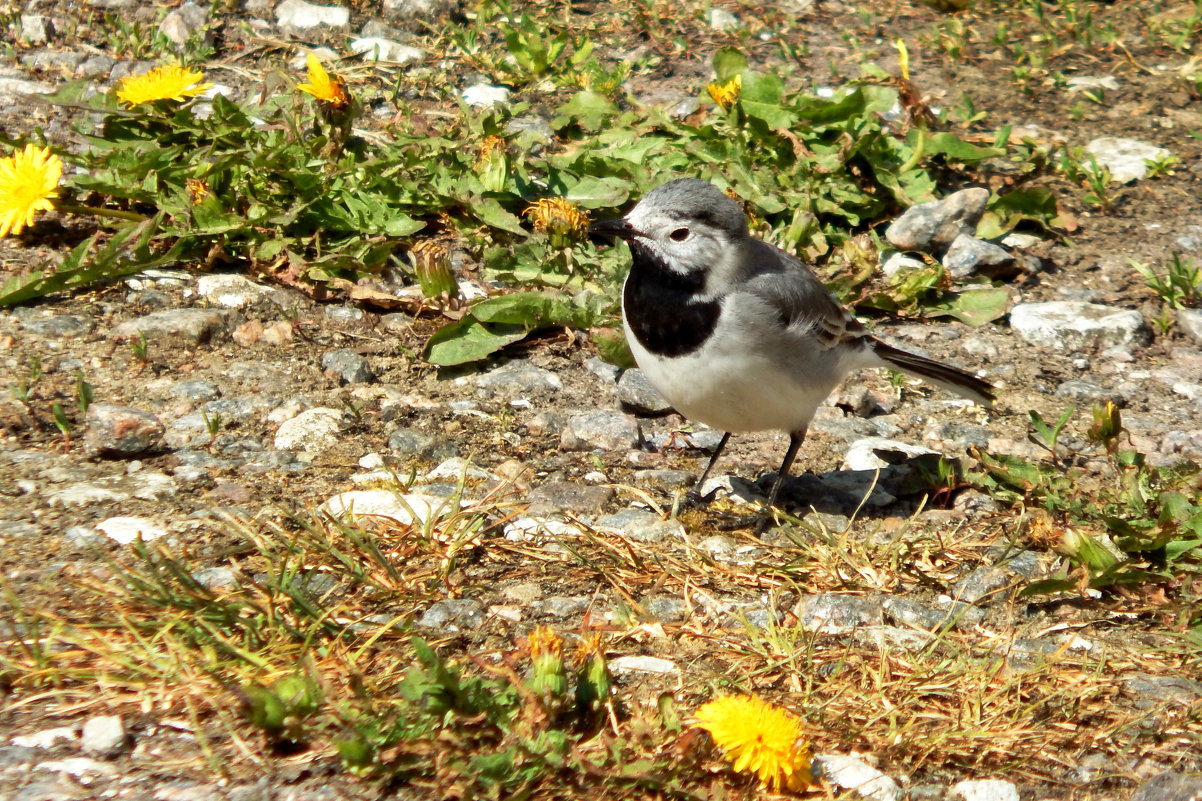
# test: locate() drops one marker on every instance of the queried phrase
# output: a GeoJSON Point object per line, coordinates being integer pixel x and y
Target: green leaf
{"type": "Point", "coordinates": [599, 193]}
{"type": "Point", "coordinates": [729, 62]}
{"type": "Point", "coordinates": [761, 99]}
{"type": "Point", "coordinates": [974, 307]}
{"type": "Point", "coordinates": [957, 149]}
{"type": "Point", "coordinates": [587, 109]}
{"type": "Point", "coordinates": [612, 347]}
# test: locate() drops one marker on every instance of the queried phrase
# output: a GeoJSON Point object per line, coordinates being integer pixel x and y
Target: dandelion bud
{"type": "Point", "coordinates": [548, 679]}
{"type": "Point", "coordinates": [594, 684]}
{"type": "Point", "coordinates": [432, 263]}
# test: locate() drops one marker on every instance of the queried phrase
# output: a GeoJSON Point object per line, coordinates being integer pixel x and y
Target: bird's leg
{"type": "Point", "coordinates": [693, 496]}
{"type": "Point", "coordinates": [795, 440]}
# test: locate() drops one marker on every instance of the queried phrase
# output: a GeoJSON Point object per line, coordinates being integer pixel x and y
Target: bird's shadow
{"type": "Point", "coordinates": [868, 493]}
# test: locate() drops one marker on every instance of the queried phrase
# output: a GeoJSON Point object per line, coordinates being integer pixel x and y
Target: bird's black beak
{"type": "Point", "coordinates": [607, 230]}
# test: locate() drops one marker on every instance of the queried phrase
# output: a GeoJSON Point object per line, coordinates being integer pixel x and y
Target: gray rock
{"type": "Point", "coordinates": [194, 325]}
{"type": "Point", "coordinates": [97, 66]}
{"type": "Point", "coordinates": [121, 431]}
{"type": "Point", "coordinates": [1083, 391]}
{"type": "Point", "coordinates": [564, 496]}
{"type": "Point", "coordinates": [302, 16]}
{"type": "Point", "coordinates": [374, 48]}
{"type": "Point", "coordinates": [453, 615]}
{"type": "Point", "coordinates": [1073, 325]}
{"type": "Point", "coordinates": [13, 84]}
{"type": "Point", "coordinates": [414, 442]}
{"type": "Point", "coordinates": [312, 430]}
{"type": "Point", "coordinates": [344, 314]}
{"type": "Point", "coordinates": [104, 735]}
{"type": "Point", "coordinates": [834, 613]}
{"type": "Point", "coordinates": [184, 23]}
{"type": "Point", "coordinates": [983, 790]}
{"type": "Point", "coordinates": [722, 20]}
{"type": "Point", "coordinates": [636, 394]}
{"type": "Point", "coordinates": [216, 578]}
{"type": "Point", "coordinates": [1151, 691]}
{"type": "Point", "coordinates": [60, 325]}
{"type": "Point", "coordinates": [545, 422]}
{"type": "Point", "coordinates": [667, 609]}
{"type": "Point", "coordinates": [981, 582]}
{"type": "Point", "coordinates": [50, 59]}
{"type": "Point", "coordinates": [561, 606]}
{"type": "Point", "coordinates": [1125, 158]}
{"type": "Point", "coordinates": [1189, 322]}
{"type": "Point", "coordinates": [911, 613]}
{"type": "Point", "coordinates": [518, 377]}
{"type": "Point", "coordinates": [234, 291]}
{"type": "Point", "coordinates": [195, 390]}
{"type": "Point", "coordinates": [929, 227]}
{"type": "Point", "coordinates": [858, 776]}
{"type": "Point", "coordinates": [482, 95]}
{"type": "Point", "coordinates": [36, 29]}
{"type": "Point", "coordinates": [417, 9]}
{"type": "Point", "coordinates": [1104, 82]}
{"type": "Point", "coordinates": [1169, 786]}
{"type": "Point", "coordinates": [968, 255]}
{"type": "Point", "coordinates": [665, 478]}
{"type": "Point", "coordinates": [535, 129]}
{"type": "Point", "coordinates": [896, 263]}
{"type": "Point", "coordinates": [641, 525]}
{"type": "Point", "coordinates": [350, 366]}
{"type": "Point", "coordinates": [862, 454]}
{"type": "Point", "coordinates": [124, 530]}
{"type": "Point", "coordinates": [599, 430]}
{"type": "Point", "coordinates": [45, 738]}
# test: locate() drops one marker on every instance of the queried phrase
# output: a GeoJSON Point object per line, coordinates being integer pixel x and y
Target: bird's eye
{"type": "Point", "coordinates": [679, 235]}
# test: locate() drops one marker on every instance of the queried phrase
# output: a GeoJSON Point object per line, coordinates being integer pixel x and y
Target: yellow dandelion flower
{"type": "Point", "coordinates": [557, 215]}
{"type": "Point", "coordinates": [330, 90]}
{"type": "Point", "coordinates": [488, 145]}
{"type": "Point", "coordinates": [172, 82]}
{"type": "Point", "coordinates": [725, 94]}
{"type": "Point", "coordinates": [28, 180]}
{"type": "Point", "coordinates": [543, 640]}
{"type": "Point", "coordinates": [760, 738]}
{"type": "Point", "coordinates": [198, 189]}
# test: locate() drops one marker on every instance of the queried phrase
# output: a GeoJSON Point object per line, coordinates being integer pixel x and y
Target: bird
{"type": "Point", "coordinates": [735, 332]}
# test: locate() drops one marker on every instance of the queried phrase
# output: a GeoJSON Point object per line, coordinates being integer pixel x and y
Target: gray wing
{"type": "Point", "coordinates": [804, 304]}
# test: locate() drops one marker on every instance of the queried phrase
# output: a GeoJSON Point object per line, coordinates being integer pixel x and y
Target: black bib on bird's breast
{"type": "Point", "coordinates": [662, 308]}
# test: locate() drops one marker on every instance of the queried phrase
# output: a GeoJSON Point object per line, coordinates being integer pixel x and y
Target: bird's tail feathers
{"type": "Point", "coordinates": [953, 379]}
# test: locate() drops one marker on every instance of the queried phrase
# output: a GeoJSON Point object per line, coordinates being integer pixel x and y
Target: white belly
{"type": "Point", "coordinates": [756, 378]}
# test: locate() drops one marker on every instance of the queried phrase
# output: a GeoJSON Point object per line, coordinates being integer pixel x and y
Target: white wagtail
{"type": "Point", "coordinates": [736, 333]}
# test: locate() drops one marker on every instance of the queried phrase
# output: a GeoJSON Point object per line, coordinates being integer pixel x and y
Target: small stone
{"type": "Point", "coordinates": [968, 256]}
{"type": "Point", "coordinates": [1189, 321]}
{"type": "Point", "coordinates": [483, 95]}
{"type": "Point", "coordinates": [1073, 325]}
{"type": "Point", "coordinates": [643, 664]}
{"type": "Point", "coordinates": [375, 48]}
{"type": "Point", "coordinates": [414, 442]}
{"type": "Point", "coordinates": [1170, 786]}
{"type": "Point", "coordinates": [600, 430]}
{"type": "Point", "coordinates": [350, 366]}
{"type": "Point", "coordinates": [454, 469]}
{"type": "Point", "coordinates": [862, 454]}
{"type": "Point", "coordinates": [1083, 391]}
{"type": "Point", "coordinates": [723, 21]}
{"type": "Point", "coordinates": [854, 774]}
{"type": "Point", "coordinates": [983, 790]}
{"type": "Point", "coordinates": [301, 15]}
{"type": "Point", "coordinates": [125, 530]}
{"type": "Point", "coordinates": [452, 615]}
{"type": "Point", "coordinates": [121, 431]}
{"type": "Point", "coordinates": [80, 767]}
{"type": "Point", "coordinates": [516, 378]}
{"type": "Point", "coordinates": [667, 609]}
{"type": "Point", "coordinates": [46, 738]}
{"type": "Point", "coordinates": [194, 325]}
{"type": "Point", "coordinates": [981, 582]}
{"type": "Point", "coordinates": [896, 263]}
{"type": "Point", "coordinates": [1106, 82]}
{"type": "Point", "coordinates": [636, 395]}
{"type": "Point", "coordinates": [417, 9]}
{"type": "Point", "coordinates": [835, 613]}
{"type": "Point", "coordinates": [183, 23]}
{"type": "Point", "coordinates": [561, 606]}
{"type": "Point", "coordinates": [397, 507]}
{"type": "Point", "coordinates": [1125, 158]}
{"type": "Point", "coordinates": [237, 291]}
{"type": "Point", "coordinates": [195, 390]}
{"type": "Point", "coordinates": [312, 430]}
{"type": "Point", "coordinates": [1149, 691]}
{"type": "Point", "coordinates": [104, 735]}
{"type": "Point", "coordinates": [216, 578]}
{"type": "Point", "coordinates": [641, 525]}
{"type": "Point", "coordinates": [933, 226]}
{"type": "Point", "coordinates": [60, 325]}
{"type": "Point", "coordinates": [665, 478]}
{"type": "Point", "coordinates": [565, 496]}
{"type": "Point", "coordinates": [36, 29]}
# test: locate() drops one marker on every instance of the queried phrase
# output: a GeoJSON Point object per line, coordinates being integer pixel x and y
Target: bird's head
{"type": "Point", "coordinates": [688, 226]}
